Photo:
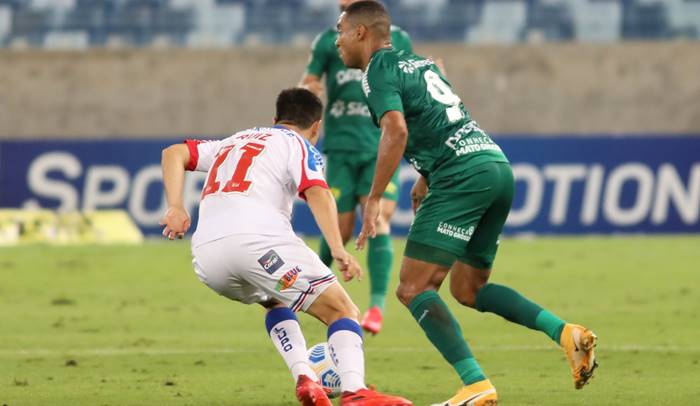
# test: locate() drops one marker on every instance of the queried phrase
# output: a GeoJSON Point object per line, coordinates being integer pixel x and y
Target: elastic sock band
{"type": "Point", "coordinates": [344, 324]}
{"type": "Point", "coordinates": [276, 315]}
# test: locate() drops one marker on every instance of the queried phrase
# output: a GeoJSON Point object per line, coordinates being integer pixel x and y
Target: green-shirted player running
{"type": "Point", "coordinates": [350, 144]}
{"type": "Point", "coordinates": [467, 185]}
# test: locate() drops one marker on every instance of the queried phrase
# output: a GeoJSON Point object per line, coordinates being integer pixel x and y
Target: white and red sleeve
{"type": "Point", "coordinates": [306, 166]}
{"type": "Point", "coordinates": [202, 154]}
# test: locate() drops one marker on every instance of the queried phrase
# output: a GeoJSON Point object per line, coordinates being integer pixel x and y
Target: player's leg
{"type": "Point", "coordinates": [419, 282]}
{"type": "Point", "coordinates": [440, 232]}
{"type": "Point", "coordinates": [469, 281]}
{"type": "Point", "coordinates": [380, 250]}
{"type": "Point", "coordinates": [229, 267]}
{"type": "Point", "coordinates": [335, 308]}
{"type": "Point", "coordinates": [340, 175]}
{"type": "Point", "coordinates": [286, 335]}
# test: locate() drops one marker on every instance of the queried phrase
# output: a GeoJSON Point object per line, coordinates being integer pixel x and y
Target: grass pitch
{"type": "Point", "coordinates": [133, 326]}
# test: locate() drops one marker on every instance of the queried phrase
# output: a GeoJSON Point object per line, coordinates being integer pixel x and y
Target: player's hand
{"type": "Point", "coordinates": [369, 223]}
{"type": "Point", "coordinates": [315, 87]}
{"type": "Point", "coordinates": [418, 193]}
{"type": "Point", "coordinates": [347, 264]}
{"type": "Point", "coordinates": [176, 222]}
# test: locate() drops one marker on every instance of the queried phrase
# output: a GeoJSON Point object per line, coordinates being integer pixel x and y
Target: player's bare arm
{"type": "Point", "coordinates": [322, 205]}
{"type": "Point", "coordinates": [176, 221]}
{"type": "Point", "coordinates": [312, 83]}
{"type": "Point", "coordinates": [391, 147]}
{"type": "Point", "coordinates": [418, 192]}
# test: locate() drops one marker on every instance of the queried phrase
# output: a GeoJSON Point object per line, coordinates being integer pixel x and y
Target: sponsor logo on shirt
{"type": "Point", "coordinates": [341, 108]}
{"type": "Point", "coordinates": [315, 159]}
{"type": "Point", "coordinates": [470, 138]}
{"type": "Point", "coordinates": [348, 75]}
{"type": "Point", "coordinates": [288, 279]}
{"type": "Point", "coordinates": [411, 65]}
{"type": "Point", "coordinates": [464, 234]}
{"type": "Point", "coordinates": [271, 261]}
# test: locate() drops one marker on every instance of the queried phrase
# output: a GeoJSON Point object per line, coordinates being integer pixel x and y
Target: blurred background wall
{"type": "Point", "coordinates": [543, 89]}
{"type": "Point", "coordinates": [204, 67]}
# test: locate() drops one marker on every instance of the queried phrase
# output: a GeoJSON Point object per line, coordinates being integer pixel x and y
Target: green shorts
{"type": "Point", "coordinates": [350, 175]}
{"type": "Point", "coordinates": [461, 220]}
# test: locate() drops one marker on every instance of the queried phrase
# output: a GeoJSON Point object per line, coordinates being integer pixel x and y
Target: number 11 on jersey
{"type": "Point", "coordinates": [238, 182]}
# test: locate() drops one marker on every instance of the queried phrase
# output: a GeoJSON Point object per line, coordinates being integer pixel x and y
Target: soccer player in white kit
{"type": "Point", "coordinates": [245, 249]}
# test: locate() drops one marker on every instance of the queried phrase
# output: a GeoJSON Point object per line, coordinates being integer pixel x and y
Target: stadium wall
{"type": "Point", "coordinates": [535, 89]}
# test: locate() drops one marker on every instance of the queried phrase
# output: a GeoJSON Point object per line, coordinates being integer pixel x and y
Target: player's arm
{"type": "Point", "coordinates": [313, 83]}
{"type": "Point", "coordinates": [174, 161]}
{"type": "Point", "coordinates": [316, 67]}
{"type": "Point", "coordinates": [323, 207]}
{"type": "Point", "coordinates": [391, 148]}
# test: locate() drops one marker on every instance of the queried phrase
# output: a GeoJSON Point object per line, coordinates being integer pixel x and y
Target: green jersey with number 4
{"type": "Point", "coordinates": [348, 125]}
{"type": "Point", "coordinates": [443, 140]}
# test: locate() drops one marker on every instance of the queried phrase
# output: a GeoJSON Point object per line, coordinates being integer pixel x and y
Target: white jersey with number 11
{"type": "Point", "coordinates": [252, 180]}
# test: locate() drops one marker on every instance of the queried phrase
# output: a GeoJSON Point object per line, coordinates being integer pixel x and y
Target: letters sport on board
{"type": "Point", "coordinates": [564, 185]}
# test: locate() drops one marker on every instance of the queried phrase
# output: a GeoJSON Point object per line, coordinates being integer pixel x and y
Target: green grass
{"type": "Point", "coordinates": [133, 326]}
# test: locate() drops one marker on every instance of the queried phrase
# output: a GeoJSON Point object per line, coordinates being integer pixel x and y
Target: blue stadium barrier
{"type": "Point", "coordinates": [564, 185]}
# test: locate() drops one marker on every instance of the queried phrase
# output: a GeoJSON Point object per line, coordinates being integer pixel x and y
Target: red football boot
{"type": "Point", "coordinates": [372, 320]}
{"type": "Point", "coordinates": [311, 393]}
{"type": "Point", "coordinates": [369, 397]}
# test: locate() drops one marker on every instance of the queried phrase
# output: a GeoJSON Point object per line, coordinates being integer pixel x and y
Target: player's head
{"type": "Point", "coordinates": [363, 27]}
{"type": "Point", "coordinates": [300, 108]}
{"type": "Point", "coordinates": [343, 4]}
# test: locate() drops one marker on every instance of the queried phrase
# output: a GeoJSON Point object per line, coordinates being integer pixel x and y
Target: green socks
{"type": "Point", "coordinates": [444, 332]}
{"type": "Point", "coordinates": [324, 252]}
{"type": "Point", "coordinates": [380, 255]}
{"type": "Point", "coordinates": [514, 307]}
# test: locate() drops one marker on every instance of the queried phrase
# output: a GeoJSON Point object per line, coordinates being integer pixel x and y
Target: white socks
{"type": "Point", "coordinates": [345, 345]}
{"type": "Point", "coordinates": [287, 337]}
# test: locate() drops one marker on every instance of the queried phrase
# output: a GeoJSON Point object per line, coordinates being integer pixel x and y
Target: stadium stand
{"type": "Point", "coordinates": [221, 23]}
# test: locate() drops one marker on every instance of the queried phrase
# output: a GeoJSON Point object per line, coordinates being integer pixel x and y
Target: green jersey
{"type": "Point", "coordinates": [348, 125]}
{"type": "Point", "coordinates": [443, 140]}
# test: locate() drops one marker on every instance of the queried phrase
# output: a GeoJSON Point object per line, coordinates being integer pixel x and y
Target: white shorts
{"type": "Point", "coordinates": [252, 268]}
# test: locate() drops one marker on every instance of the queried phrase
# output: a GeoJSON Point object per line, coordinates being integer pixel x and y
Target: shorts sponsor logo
{"type": "Point", "coordinates": [271, 261]}
{"type": "Point", "coordinates": [464, 234]}
{"type": "Point", "coordinates": [288, 279]}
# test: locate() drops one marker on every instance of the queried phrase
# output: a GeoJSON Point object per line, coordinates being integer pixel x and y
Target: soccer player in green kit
{"type": "Point", "coordinates": [467, 186]}
{"type": "Point", "coordinates": [350, 144]}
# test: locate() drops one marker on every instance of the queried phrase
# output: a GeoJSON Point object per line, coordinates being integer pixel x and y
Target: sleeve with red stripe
{"type": "Point", "coordinates": [192, 145]}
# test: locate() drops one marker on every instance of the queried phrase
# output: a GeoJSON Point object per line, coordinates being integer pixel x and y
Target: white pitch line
{"type": "Point", "coordinates": [38, 352]}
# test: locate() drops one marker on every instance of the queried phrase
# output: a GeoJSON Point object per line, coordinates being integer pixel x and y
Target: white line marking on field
{"type": "Point", "coordinates": [38, 352]}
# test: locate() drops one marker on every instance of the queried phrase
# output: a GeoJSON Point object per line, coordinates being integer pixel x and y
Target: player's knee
{"type": "Point", "coordinates": [465, 294]}
{"type": "Point", "coordinates": [406, 293]}
{"type": "Point", "coordinates": [346, 235]}
{"type": "Point", "coordinates": [383, 225]}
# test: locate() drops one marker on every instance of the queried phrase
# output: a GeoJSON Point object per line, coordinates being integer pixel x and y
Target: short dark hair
{"type": "Point", "coordinates": [372, 14]}
{"type": "Point", "coordinates": [299, 107]}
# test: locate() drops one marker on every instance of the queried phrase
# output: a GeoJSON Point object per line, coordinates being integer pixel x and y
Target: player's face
{"type": "Point", "coordinates": [347, 43]}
